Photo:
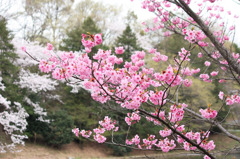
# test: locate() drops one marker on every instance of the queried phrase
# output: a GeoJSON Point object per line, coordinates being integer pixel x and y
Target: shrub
{"type": "Point", "coordinates": [59, 130]}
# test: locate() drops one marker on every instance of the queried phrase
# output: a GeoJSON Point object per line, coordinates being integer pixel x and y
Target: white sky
{"type": "Point", "coordinates": [144, 14]}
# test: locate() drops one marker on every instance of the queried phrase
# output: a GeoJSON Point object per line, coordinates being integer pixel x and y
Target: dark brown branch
{"type": "Point", "coordinates": [211, 122]}
{"type": "Point", "coordinates": [222, 50]}
{"type": "Point", "coordinates": [178, 133]}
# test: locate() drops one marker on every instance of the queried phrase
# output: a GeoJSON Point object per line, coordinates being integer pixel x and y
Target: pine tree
{"type": "Point", "coordinates": [128, 41]}
{"type": "Point", "coordinates": [8, 71]}
{"type": "Point", "coordinates": [74, 36]}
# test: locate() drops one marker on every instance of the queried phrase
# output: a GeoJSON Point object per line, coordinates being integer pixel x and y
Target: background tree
{"type": "Point", "coordinates": [73, 40]}
{"type": "Point", "coordinates": [44, 20]}
{"type": "Point", "coordinates": [12, 114]}
{"type": "Point", "coordinates": [128, 41]}
{"type": "Point", "coordinates": [58, 131]}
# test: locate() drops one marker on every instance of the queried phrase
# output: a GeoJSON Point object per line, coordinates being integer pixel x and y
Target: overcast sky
{"type": "Point", "coordinates": [229, 5]}
{"type": "Point", "coordinates": [144, 14]}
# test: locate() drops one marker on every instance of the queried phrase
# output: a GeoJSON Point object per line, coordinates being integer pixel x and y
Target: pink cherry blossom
{"type": "Point", "coordinates": [84, 133]}
{"type": "Point", "coordinates": [119, 50]}
{"type": "Point", "coordinates": [23, 48]}
{"type": "Point", "coordinates": [187, 82]}
{"type": "Point", "coordinates": [75, 131]}
{"type": "Point", "coordinates": [214, 73]}
{"type": "Point", "coordinates": [49, 46]}
{"type": "Point", "coordinates": [165, 133]}
{"type": "Point", "coordinates": [199, 54]}
{"type": "Point", "coordinates": [99, 138]}
{"type": "Point", "coordinates": [98, 39]}
{"type": "Point", "coordinates": [208, 113]}
{"type": "Point", "coordinates": [207, 63]}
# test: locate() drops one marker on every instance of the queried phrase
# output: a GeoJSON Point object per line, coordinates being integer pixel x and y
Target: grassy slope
{"type": "Point", "coordinates": [73, 150]}
{"type": "Point", "coordinates": [94, 150]}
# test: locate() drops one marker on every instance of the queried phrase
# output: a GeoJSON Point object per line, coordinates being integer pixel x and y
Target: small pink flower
{"type": "Point", "coordinates": [164, 58]}
{"type": "Point", "coordinates": [220, 95]}
{"type": "Point", "coordinates": [167, 34]}
{"type": "Point", "coordinates": [87, 49]}
{"type": "Point", "coordinates": [116, 128]}
{"type": "Point", "coordinates": [214, 73]}
{"type": "Point", "coordinates": [165, 133]}
{"type": "Point", "coordinates": [85, 134]}
{"type": "Point", "coordinates": [119, 50]}
{"type": "Point", "coordinates": [208, 113]}
{"type": "Point", "coordinates": [99, 138]}
{"type": "Point", "coordinates": [207, 63]}
{"type": "Point", "coordinates": [187, 82]}
{"type": "Point", "coordinates": [75, 131]}
{"type": "Point", "coordinates": [23, 48]}
{"type": "Point", "coordinates": [212, 1]}
{"type": "Point", "coordinates": [199, 54]}
{"type": "Point", "coordinates": [152, 51]}
{"type": "Point", "coordinates": [232, 27]}
{"type": "Point", "coordinates": [49, 46]}
{"type": "Point", "coordinates": [98, 39]}
{"type": "Point", "coordinates": [206, 157]}
{"type": "Point", "coordinates": [203, 44]}
{"type": "Point", "coordinates": [221, 81]}
{"type": "Point", "coordinates": [236, 56]}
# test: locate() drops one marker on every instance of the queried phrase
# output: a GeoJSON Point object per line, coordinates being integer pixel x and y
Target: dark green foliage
{"type": "Point", "coordinates": [59, 130]}
{"type": "Point", "coordinates": [172, 44]}
{"type": "Point", "coordinates": [5, 36]}
{"type": "Point", "coordinates": [237, 49]}
{"type": "Point", "coordinates": [8, 71]}
{"type": "Point", "coordinates": [90, 26]}
{"type": "Point", "coordinates": [128, 41]}
{"type": "Point", "coordinates": [81, 107]}
{"type": "Point", "coordinates": [35, 126]}
{"type": "Point", "coordinates": [73, 41]}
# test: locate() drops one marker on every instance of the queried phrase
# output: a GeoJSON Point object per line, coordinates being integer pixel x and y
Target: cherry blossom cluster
{"type": "Point", "coordinates": [132, 117]}
{"type": "Point", "coordinates": [135, 140]}
{"type": "Point", "coordinates": [147, 143]}
{"type": "Point", "coordinates": [84, 133]}
{"type": "Point", "coordinates": [166, 132]}
{"type": "Point", "coordinates": [129, 86]}
{"type": "Point", "coordinates": [92, 41]}
{"type": "Point", "coordinates": [155, 121]}
{"type": "Point", "coordinates": [230, 100]}
{"type": "Point", "coordinates": [176, 112]}
{"type": "Point", "coordinates": [194, 36]}
{"type": "Point", "coordinates": [157, 56]}
{"type": "Point", "coordinates": [187, 72]}
{"type": "Point", "coordinates": [134, 84]}
{"type": "Point", "coordinates": [200, 138]}
{"type": "Point", "coordinates": [185, 25]}
{"type": "Point", "coordinates": [208, 113]}
{"type": "Point", "coordinates": [107, 125]}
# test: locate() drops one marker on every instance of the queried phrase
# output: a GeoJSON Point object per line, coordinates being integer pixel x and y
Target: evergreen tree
{"type": "Point", "coordinates": [74, 37]}
{"type": "Point", "coordinates": [5, 36]}
{"type": "Point", "coordinates": [128, 41]}
{"type": "Point", "coordinates": [8, 71]}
